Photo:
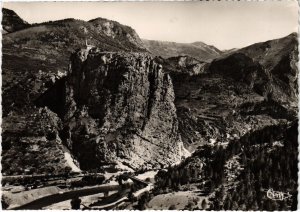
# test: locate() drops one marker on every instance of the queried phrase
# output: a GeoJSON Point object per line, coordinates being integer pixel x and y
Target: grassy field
{"type": "Point", "coordinates": [178, 200]}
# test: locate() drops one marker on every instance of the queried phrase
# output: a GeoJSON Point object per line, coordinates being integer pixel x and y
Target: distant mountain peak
{"type": "Point", "coordinates": [115, 29]}
{"type": "Point", "coordinates": [198, 50]}
{"type": "Point", "coordinates": [198, 43]}
{"type": "Point", "coordinates": [293, 34]}
{"type": "Point", "coordinates": [69, 34]}
{"type": "Point", "coordinates": [11, 22]}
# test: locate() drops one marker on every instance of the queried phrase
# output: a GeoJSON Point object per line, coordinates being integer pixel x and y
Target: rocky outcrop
{"type": "Point", "coordinates": [186, 64]}
{"type": "Point", "coordinates": [117, 31]}
{"type": "Point", "coordinates": [34, 55]}
{"type": "Point", "coordinates": [243, 69]}
{"type": "Point", "coordinates": [31, 143]}
{"type": "Point", "coordinates": [11, 22]}
{"type": "Point", "coordinates": [118, 107]}
{"type": "Point", "coordinates": [37, 57]}
{"type": "Point", "coordinates": [279, 58]}
{"type": "Point", "coordinates": [244, 90]}
{"type": "Point", "coordinates": [121, 107]}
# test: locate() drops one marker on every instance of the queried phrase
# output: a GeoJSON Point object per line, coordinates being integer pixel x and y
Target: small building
{"type": "Point", "coordinates": [88, 46]}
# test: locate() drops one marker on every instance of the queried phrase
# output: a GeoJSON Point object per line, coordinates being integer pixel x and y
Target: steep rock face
{"type": "Point", "coordinates": [279, 58]}
{"type": "Point", "coordinates": [31, 143]}
{"type": "Point", "coordinates": [117, 31]}
{"type": "Point", "coordinates": [238, 92]}
{"type": "Point", "coordinates": [11, 22]}
{"type": "Point", "coordinates": [241, 68]}
{"type": "Point", "coordinates": [119, 107]}
{"type": "Point", "coordinates": [32, 57]}
{"type": "Point", "coordinates": [184, 64]}
{"type": "Point", "coordinates": [212, 108]}
{"type": "Point", "coordinates": [37, 57]}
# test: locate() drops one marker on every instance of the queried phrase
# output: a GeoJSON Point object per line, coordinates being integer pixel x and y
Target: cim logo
{"type": "Point", "coordinates": [277, 195]}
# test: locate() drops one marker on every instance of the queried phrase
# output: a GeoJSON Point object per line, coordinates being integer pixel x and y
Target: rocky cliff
{"type": "Point", "coordinates": [31, 143]}
{"type": "Point", "coordinates": [117, 31]}
{"type": "Point", "coordinates": [241, 91]}
{"type": "Point", "coordinates": [11, 22]}
{"type": "Point", "coordinates": [35, 56]}
{"type": "Point", "coordinates": [183, 64]}
{"type": "Point", "coordinates": [36, 61]}
{"type": "Point", "coordinates": [278, 58]}
{"type": "Point", "coordinates": [109, 106]}
{"type": "Point", "coordinates": [117, 107]}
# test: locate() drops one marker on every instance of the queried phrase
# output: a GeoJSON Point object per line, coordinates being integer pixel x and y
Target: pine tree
{"type": "Point", "coordinates": [227, 203]}
{"type": "Point", "coordinates": [254, 205]}
{"type": "Point", "coordinates": [204, 204]}
{"type": "Point", "coordinates": [235, 206]}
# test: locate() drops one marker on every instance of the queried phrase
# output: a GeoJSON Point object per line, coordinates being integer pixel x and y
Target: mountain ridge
{"type": "Point", "coordinates": [210, 97]}
{"type": "Point", "coordinates": [119, 95]}
{"type": "Point", "coordinates": [11, 22]}
{"type": "Point", "coordinates": [198, 50]}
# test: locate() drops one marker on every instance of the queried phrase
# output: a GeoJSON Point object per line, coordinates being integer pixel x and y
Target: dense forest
{"type": "Point", "coordinates": [239, 174]}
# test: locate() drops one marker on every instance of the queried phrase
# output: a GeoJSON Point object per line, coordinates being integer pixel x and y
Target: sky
{"type": "Point", "coordinates": [224, 24]}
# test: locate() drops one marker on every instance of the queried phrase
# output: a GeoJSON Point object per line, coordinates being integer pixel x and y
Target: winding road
{"type": "Point", "coordinates": [60, 197]}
